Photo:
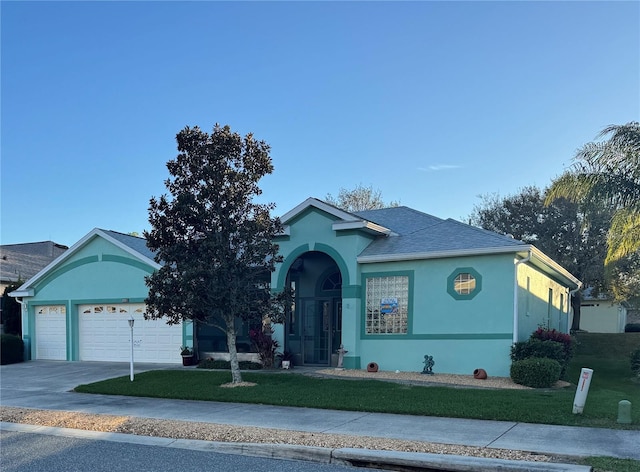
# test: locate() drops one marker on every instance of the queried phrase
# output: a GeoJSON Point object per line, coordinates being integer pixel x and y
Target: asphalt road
{"type": "Point", "coordinates": [30, 452]}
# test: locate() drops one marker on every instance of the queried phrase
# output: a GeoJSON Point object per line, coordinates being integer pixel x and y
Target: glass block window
{"type": "Point", "coordinates": [387, 305]}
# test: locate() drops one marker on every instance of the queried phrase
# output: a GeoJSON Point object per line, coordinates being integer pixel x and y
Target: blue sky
{"type": "Point", "coordinates": [433, 103]}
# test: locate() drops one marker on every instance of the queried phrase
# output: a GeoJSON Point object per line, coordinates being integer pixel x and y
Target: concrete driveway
{"type": "Point", "coordinates": [34, 378]}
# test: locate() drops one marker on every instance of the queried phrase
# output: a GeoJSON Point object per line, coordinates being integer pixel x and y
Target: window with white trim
{"type": "Point", "coordinates": [387, 304]}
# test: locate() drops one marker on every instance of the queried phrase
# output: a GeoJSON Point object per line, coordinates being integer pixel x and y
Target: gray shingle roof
{"type": "Point", "coordinates": [136, 243]}
{"type": "Point", "coordinates": [23, 261]}
{"type": "Point", "coordinates": [401, 220]}
{"type": "Point", "coordinates": [419, 233]}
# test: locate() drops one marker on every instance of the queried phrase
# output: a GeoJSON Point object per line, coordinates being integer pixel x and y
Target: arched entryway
{"type": "Point", "coordinates": [313, 327]}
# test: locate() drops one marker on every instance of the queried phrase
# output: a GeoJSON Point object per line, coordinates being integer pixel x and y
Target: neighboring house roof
{"type": "Point", "coordinates": [133, 245]}
{"type": "Point", "coordinates": [19, 262]}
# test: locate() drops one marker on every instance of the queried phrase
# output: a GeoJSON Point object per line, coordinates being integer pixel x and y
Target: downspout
{"type": "Point", "coordinates": [571, 292]}
{"type": "Point", "coordinates": [515, 296]}
{"type": "Point", "coordinates": [26, 354]}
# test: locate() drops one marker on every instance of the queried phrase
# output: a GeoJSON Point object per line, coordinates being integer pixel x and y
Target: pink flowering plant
{"type": "Point", "coordinates": [567, 341]}
{"type": "Point", "coordinates": [264, 344]}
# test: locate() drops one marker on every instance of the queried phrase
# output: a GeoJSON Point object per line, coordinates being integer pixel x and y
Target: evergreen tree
{"type": "Point", "coordinates": [215, 244]}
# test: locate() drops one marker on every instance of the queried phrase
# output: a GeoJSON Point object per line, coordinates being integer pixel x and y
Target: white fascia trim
{"type": "Point", "coordinates": [362, 225]}
{"type": "Point", "coordinates": [22, 293]}
{"type": "Point", "coordinates": [541, 256]}
{"type": "Point", "coordinates": [320, 205]}
{"type": "Point", "coordinates": [441, 254]}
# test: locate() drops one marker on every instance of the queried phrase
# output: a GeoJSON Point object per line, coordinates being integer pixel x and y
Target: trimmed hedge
{"type": "Point", "coordinates": [635, 362]}
{"type": "Point", "coordinates": [632, 328]}
{"type": "Point", "coordinates": [537, 348]}
{"type": "Point", "coordinates": [536, 372]}
{"type": "Point", "coordinates": [11, 349]}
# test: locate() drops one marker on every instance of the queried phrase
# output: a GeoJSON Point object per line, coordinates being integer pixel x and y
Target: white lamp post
{"type": "Point", "coordinates": [131, 321]}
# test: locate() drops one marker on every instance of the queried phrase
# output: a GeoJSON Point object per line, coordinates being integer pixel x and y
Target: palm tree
{"type": "Point", "coordinates": [608, 172]}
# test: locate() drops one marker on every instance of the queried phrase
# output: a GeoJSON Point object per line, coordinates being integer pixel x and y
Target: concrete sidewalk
{"type": "Point", "coordinates": [47, 385]}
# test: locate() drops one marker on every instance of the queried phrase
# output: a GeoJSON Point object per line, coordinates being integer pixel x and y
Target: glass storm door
{"type": "Point", "coordinates": [317, 331]}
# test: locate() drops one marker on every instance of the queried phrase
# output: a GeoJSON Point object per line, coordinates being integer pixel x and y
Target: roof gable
{"type": "Point", "coordinates": [133, 245]}
{"type": "Point", "coordinates": [343, 220]}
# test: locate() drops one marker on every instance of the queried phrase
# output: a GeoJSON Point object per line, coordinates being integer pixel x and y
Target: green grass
{"type": "Point", "coordinates": [610, 464]}
{"type": "Point", "coordinates": [529, 406]}
{"type": "Point", "coordinates": [612, 381]}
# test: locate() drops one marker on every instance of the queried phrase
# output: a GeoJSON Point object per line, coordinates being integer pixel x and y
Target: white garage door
{"type": "Point", "coordinates": [105, 335]}
{"type": "Point", "coordinates": [51, 332]}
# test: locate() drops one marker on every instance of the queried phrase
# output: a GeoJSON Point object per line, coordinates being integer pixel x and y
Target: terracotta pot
{"type": "Point", "coordinates": [372, 367]}
{"type": "Point", "coordinates": [480, 374]}
{"type": "Point", "coordinates": [187, 360]}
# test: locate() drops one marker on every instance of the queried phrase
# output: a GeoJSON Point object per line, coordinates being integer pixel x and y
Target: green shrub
{"type": "Point", "coordinates": [635, 362]}
{"type": "Point", "coordinates": [537, 348]}
{"type": "Point", "coordinates": [536, 372]}
{"type": "Point", "coordinates": [11, 349]}
{"type": "Point", "coordinates": [226, 365]}
{"type": "Point", "coordinates": [632, 328]}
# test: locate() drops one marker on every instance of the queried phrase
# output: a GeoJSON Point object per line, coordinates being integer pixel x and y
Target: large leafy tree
{"type": "Point", "coordinates": [359, 199]}
{"type": "Point", "coordinates": [561, 230]}
{"type": "Point", "coordinates": [608, 173]}
{"type": "Point", "coordinates": [215, 244]}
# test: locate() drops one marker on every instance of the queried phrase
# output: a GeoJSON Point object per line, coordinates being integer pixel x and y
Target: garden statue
{"type": "Point", "coordinates": [341, 352]}
{"type": "Point", "coordinates": [428, 365]}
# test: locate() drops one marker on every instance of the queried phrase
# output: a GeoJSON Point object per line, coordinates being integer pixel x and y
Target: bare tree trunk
{"type": "Point", "coordinates": [236, 376]}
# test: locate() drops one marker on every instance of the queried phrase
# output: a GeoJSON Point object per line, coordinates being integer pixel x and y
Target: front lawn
{"type": "Point", "coordinates": [530, 406]}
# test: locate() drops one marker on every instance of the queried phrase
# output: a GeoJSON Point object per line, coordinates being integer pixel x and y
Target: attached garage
{"type": "Point", "coordinates": [78, 307]}
{"type": "Point", "coordinates": [51, 329]}
{"type": "Point", "coordinates": [105, 335]}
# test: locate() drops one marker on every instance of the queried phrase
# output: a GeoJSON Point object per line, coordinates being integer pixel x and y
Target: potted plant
{"type": "Point", "coordinates": [287, 359]}
{"type": "Point", "coordinates": [187, 355]}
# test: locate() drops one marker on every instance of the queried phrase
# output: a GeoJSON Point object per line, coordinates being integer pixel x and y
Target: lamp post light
{"type": "Point", "coordinates": [131, 321]}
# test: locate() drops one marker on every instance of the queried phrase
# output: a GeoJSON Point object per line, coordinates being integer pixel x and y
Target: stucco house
{"type": "Point", "coordinates": [389, 285]}
{"type": "Point", "coordinates": [602, 314]}
{"type": "Point", "coordinates": [393, 285]}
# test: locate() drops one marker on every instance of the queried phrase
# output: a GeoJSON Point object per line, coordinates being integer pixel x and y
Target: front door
{"type": "Point", "coordinates": [316, 331]}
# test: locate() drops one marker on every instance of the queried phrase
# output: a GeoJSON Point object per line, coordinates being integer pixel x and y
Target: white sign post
{"type": "Point", "coordinates": [581, 392]}
{"type": "Point", "coordinates": [131, 321]}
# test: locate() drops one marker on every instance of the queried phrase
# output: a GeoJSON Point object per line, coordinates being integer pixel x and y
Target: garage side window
{"type": "Point", "coordinates": [387, 304]}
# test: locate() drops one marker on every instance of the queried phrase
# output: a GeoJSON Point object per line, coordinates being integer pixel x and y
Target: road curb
{"type": "Point", "coordinates": [387, 460]}
{"type": "Point", "coordinates": [395, 460]}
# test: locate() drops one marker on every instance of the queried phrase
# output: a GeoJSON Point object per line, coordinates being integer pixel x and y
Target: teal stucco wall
{"type": "Point", "coordinates": [98, 272]}
{"type": "Point", "coordinates": [460, 334]}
